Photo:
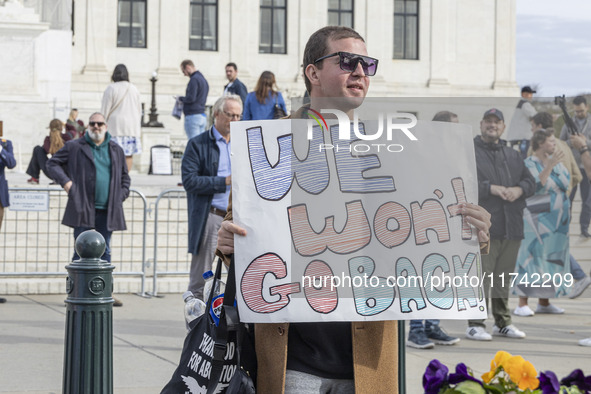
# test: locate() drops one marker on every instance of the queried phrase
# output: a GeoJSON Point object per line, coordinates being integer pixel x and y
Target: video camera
{"type": "Point", "coordinates": [560, 101]}
{"type": "Point", "coordinates": [570, 125]}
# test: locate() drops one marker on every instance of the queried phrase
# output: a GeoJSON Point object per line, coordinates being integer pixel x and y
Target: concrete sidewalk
{"type": "Point", "coordinates": [147, 340]}
{"type": "Point", "coordinates": [149, 333]}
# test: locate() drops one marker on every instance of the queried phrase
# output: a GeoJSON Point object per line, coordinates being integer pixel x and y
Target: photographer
{"type": "Point", "coordinates": [581, 144]}
{"type": "Point", "coordinates": [582, 124]}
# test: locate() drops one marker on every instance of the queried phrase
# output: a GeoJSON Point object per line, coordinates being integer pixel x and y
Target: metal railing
{"type": "Point", "coordinates": [171, 230]}
{"type": "Point", "coordinates": [35, 243]}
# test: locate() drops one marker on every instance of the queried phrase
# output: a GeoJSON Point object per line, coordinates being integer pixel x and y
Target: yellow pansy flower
{"type": "Point", "coordinates": [522, 372]}
{"type": "Point", "coordinates": [498, 361]}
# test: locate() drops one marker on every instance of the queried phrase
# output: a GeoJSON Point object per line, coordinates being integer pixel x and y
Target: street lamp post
{"type": "Point", "coordinates": [153, 122]}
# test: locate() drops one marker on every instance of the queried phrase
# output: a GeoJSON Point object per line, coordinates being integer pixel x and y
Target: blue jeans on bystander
{"type": "Point", "coordinates": [100, 225]}
{"type": "Point", "coordinates": [195, 125]}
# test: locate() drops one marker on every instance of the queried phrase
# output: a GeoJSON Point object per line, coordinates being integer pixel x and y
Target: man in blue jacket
{"type": "Point", "coordinates": [234, 86]}
{"type": "Point", "coordinates": [194, 100]}
{"type": "Point", "coordinates": [206, 172]}
{"type": "Point", "coordinates": [6, 160]}
{"type": "Point", "coordinates": [92, 170]}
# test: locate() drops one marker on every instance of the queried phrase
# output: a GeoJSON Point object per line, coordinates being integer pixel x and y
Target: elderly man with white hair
{"type": "Point", "coordinates": [206, 172]}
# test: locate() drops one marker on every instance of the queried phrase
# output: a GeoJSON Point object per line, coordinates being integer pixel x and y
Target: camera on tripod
{"type": "Point", "coordinates": [570, 125]}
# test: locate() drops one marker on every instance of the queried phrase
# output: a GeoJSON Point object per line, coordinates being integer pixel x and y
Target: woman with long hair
{"type": "Point", "coordinates": [543, 259]}
{"type": "Point", "coordinates": [122, 110]}
{"type": "Point", "coordinates": [74, 127]}
{"type": "Point", "coordinates": [260, 104]}
{"type": "Point", "coordinates": [52, 143]}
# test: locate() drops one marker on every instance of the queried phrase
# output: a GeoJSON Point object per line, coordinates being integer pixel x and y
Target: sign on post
{"type": "Point", "coordinates": [29, 201]}
{"type": "Point", "coordinates": [358, 228]}
{"type": "Point", "coordinates": [160, 160]}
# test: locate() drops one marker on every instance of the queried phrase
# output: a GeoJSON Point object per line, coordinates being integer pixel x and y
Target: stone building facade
{"type": "Point", "coordinates": [427, 48]}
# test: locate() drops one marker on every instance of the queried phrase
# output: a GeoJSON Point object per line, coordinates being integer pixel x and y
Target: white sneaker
{"type": "Point", "coordinates": [524, 311]}
{"type": "Point", "coordinates": [579, 287]}
{"type": "Point", "coordinates": [509, 331]}
{"type": "Point", "coordinates": [478, 334]}
{"type": "Point", "coordinates": [553, 309]}
{"type": "Point", "coordinates": [585, 342]}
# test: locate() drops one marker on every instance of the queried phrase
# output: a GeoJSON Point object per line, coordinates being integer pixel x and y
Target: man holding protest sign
{"type": "Point", "coordinates": [503, 185]}
{"type": "Point", "coordinates": [339, 357]}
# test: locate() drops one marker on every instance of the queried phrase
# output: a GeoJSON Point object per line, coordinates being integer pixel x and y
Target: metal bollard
{"type": "Point", "coordinates": [88, 356]}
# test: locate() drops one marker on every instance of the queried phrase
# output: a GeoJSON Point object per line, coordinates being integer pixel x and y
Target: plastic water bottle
{"type": "Point", "coordinates": [208, 276]}
{"type": "Point", "coordinates": [194, 307]}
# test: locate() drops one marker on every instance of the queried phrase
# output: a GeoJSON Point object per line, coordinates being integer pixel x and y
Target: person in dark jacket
{"type": "Point", "coordinates": [206, 172]}
{"type": "Point", "coordinates": [194, 100]}
{"type": "Point", "coordinates": [92, 170]}
{"type": "Point", "coordinates": [503, 185]}
{"type": "Point", "coordinates": [234, 86]}
{"type": "Point", "coordinates": [6, 161]}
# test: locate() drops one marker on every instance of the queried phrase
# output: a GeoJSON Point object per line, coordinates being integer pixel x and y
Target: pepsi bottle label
{"type": "Point", "coordinates": [216, 308]}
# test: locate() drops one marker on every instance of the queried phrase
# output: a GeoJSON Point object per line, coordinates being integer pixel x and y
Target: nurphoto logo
{"type": "Point", "coordinates": [387, 124]}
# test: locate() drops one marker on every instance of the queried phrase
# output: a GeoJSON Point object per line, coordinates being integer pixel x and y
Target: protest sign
{"type": "Point", "coordinates": [354, 229]}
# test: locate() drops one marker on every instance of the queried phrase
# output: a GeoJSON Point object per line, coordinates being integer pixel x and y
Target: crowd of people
{"type": "Point", "coordinates": [527, 185]}
{"type": "Point", "coordinates": [524, 184]}
{"type": "Point", "coordinates": [522, 217]}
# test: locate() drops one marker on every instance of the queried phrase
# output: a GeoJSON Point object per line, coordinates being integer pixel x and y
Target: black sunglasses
{"type": "Point", "coordinates": [349, 61]}
{"type": "Point", "coordinates": [99, 124]}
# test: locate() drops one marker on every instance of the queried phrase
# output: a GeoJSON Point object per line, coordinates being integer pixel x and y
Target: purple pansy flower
{"type": "Point", "coordinates": [549, 382]}
{"type": "Point", "coordinates": [576, 378]}
{"type": "Point", "coordinates": [462, 375]}
{"type": "Point", "coordinates": [435, 377]}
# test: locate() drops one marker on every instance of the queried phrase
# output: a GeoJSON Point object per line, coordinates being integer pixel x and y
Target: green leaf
{"type": "Point", "coordinates": [570, 390]}
{"type": "Point", "coordinates": [469, 387]}
{"type": "Point", "coordinates": [494, 389]}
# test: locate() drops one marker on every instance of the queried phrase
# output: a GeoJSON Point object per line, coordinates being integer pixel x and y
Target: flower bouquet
{"type": "Point", "coordinates": [508, 374]}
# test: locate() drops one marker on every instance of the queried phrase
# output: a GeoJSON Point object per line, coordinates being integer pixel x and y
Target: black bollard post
{"type": "Point", "coordinates": [88, 356]}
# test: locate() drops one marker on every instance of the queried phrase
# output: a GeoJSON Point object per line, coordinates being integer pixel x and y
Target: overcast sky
{"type": "Point", "coordinates": [554, 46]}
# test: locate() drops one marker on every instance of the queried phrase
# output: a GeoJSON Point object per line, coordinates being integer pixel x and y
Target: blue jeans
{"type": "Point", "coordinates": [195, 125]}
{"type": "Point", "coordinates": [576, 269]}
{"type": "Point", "coordinates": [100, 225]}
{"type": "Point", "coordinates": [416, 324]}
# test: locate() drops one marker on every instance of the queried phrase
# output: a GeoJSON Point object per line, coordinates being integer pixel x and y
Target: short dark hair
{"type": "Point", "coordinates": [444, 116]}
{"type": "Point", "coordinates": [317, 45]}
{"type": "Point", "coordinates": [120, 73]}
{"type": "Point", "coordinates": [540, 137]}
{"type": "Point", "coordinates": [580, 100]}
{"type": "Point", "coordinates": [233, 65]}
{"type": "Point", "coordinates": [186, 63]}
{"type": "Point", "coordinates": [544, 119]}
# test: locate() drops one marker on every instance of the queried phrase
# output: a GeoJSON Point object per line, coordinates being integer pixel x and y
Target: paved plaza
{"type": "Point", "coordinates": [148, 336]}
{"type": "Point", "coordinates": [149, 333]}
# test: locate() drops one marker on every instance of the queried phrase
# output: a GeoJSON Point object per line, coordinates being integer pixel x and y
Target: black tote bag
{"type": "Point", "coordinates": [217, 359]}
